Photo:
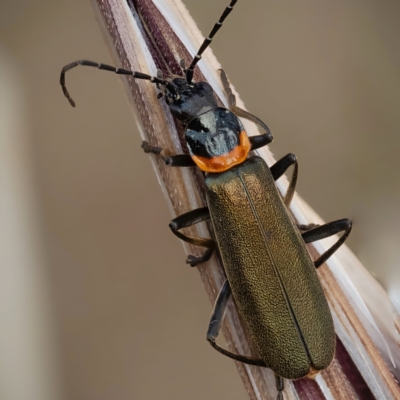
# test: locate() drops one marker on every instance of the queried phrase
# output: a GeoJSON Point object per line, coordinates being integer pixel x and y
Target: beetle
{"type": "Point", "coordinates": [269, 271]}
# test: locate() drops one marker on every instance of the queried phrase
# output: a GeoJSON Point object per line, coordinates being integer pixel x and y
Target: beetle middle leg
{"type": "Point", "coordinates": [188, 219]}
{"type": "Point", "coordinates": [326, 230]}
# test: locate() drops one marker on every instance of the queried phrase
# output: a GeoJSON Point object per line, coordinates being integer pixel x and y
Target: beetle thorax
{"type": "Point", "coordinates": [217, 140]}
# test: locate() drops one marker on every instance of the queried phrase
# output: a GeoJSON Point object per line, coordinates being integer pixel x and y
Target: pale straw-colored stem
{"type": "Point", "coordinates": [363, 314]}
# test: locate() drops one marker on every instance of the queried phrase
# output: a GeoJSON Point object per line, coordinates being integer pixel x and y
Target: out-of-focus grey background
{"type": "Point", "coordinates": [96, 302]}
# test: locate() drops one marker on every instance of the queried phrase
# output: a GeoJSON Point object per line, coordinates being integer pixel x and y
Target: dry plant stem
{"type": "Point", "coordinates": [158, 37]}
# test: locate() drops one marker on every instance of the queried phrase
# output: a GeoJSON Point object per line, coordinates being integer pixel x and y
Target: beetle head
{"type": "Point", "coordinates": [188, 101]}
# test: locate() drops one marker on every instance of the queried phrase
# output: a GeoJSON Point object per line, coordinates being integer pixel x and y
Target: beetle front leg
{"type": "Point", "coordinates": [326, 230]}
{"type": "Point", "coordinates": [256, 141]}
{"type": "Point", "coordinates": [260, 140]}
{"type": "Point", "coordinates": [215, 325]}
{"type": "Point", "coordinates": [188, 219]}
{"type": "Point", "coordinates": [178, 160]}
{"type": "Point", "coordinates": [280, 167]}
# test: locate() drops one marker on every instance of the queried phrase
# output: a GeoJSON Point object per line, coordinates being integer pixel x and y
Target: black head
{"type": "Point", "coordinates": [188, 101]}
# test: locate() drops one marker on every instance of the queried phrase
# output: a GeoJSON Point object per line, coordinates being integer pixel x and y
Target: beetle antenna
{"type": "Point", "coordinates": [207, 41]}
{"type": "Point", "coordinates": [138, 75]}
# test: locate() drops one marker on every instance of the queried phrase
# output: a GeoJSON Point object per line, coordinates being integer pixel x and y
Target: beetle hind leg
{"type": "Point", "coordinates": [215, 325]}
{"type": "Point", "coordinates": [326, 230]}
{"type": "Point", "coordinates": [280, 385]}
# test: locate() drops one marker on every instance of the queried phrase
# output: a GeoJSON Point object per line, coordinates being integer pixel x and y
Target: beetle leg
{"type": "Point", "coordinates": [178, 160]}
{"type": "Point", "coordinates": [304, 228]}
{"type": "Point", "coordinates": [280, 385]}
{"type": "Point", "coordinates": [188, 219]}
{"type": "Point", "coordinates": [215, 325]}
{"type": "Point", "coordinates": [280, 167]}
{"type": "Point", "coordinates": [326, 230]}
{"type": "Point", "coordinates": [261, 140]}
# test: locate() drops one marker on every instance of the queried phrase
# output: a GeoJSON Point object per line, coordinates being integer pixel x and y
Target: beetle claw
{"type": "Point", "coordinates": [193, 261]}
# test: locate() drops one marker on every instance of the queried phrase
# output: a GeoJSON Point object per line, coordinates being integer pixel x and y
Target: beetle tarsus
{"type": "Point", "coordinates": [280, 385]}
{"type": "Point", "coordinates": [178, 160]}
{"type": "Point", "coordinates": [148, 148]}
{"type": "Point", "coordinates": [193, 261]}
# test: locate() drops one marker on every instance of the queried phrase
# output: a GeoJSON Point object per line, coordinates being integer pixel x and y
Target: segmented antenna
{"type": "Point", "coordinates": [207, 41]}
{"type": "Point", "coordinates": [120, 71]}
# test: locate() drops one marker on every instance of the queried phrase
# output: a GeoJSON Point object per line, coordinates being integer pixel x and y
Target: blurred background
{"type": "Point", "coordinates": [96, 302]}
